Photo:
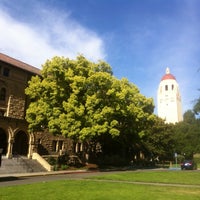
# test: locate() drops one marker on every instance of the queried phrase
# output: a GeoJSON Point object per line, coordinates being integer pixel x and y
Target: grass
{"type": "Point", "coordinates": [92, 189]}
{"type": "Point", "coordinates": [173, 176]}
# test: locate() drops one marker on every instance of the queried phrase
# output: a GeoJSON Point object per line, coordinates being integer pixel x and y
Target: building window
{"type": "Point", "coordinates": [2, 112]}
{"type": "Point", "coordinates": [57, 145]}
{"type": "Point", "coordinates": [6, 72]}
{"type": "Point", "coordinates": [3, 94]}
{"type": "Point", "coordinates": [54, 145]}
{"type": "Point", "coordinates": [172, 87]}
{"type": "Point", "coordinates": [166, 87]}
{"type": "Point", "coordinates": [60, 145]}
{"type": "Point", "coordinates": [78, 147]}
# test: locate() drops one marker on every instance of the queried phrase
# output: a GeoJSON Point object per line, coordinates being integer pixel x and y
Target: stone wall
{"type": "Point", "coordinates": [48, 144]}
{"type": "Point", "coordinates": [14, 83]}
{"type": "Point", "coordinates": [16, 107]}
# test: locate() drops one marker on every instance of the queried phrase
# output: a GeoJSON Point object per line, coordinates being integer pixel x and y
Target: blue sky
{"type": "Point", "coordinates": [138, 38]}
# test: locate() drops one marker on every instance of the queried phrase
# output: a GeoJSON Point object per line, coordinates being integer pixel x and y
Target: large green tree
{"type": "Point", "coordinates": [84, 101]}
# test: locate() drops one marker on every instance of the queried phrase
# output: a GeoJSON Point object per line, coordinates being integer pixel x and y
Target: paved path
{"type": "Point", "coordinates": [28, 178]}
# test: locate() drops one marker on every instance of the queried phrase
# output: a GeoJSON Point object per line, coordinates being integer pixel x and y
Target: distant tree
{"type": "Point", "coordinates": [84, 101]}
{"type": "Point", "coordinates": [189, 117]}
{"type": "Point", "coordinates": [196, 107]}
{"type": "Point", "coordinates": [187, 135]}
{"type": "Point", "coordinates": [159, 140]}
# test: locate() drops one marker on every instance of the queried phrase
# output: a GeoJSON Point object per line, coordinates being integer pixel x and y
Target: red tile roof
{"type": "Point", "coordinates": [168, 76]}
{"type": "Point", "coordinates": [19, 64]}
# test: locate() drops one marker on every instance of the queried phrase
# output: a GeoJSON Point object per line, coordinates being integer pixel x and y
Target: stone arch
{"type": "Point", "coordinates": [3, 141]}
{"type": "Point", "coordinates": [21, 143]}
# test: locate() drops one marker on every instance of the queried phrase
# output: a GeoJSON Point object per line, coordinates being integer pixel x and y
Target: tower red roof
{"type": "Point", "coordinates": [168, 75]}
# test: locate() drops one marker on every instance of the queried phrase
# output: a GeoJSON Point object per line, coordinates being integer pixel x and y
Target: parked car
{"type": "Point", "coordinates": [188, 164]}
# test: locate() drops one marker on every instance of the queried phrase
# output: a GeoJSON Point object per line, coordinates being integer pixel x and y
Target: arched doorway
{"type": "Point", "coordinates": [20, 146]}
{"type": "Point", "coordinates": [3, 141]}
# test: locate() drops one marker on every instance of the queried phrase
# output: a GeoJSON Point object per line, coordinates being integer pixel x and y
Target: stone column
{"type": "Point", "coordinates": [81, 147]}
{"type": "Point", "coordinates": [57, 146]}
{"type": "Point", "coordinates": [10, 148]}
{"type": "Point", "coordinates": [77, 149]}
{"type": "Point", "coordinates": [31, 146]}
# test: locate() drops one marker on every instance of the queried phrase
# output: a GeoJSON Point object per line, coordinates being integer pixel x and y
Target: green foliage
{"type": "Point", "coordinates": [159, 140]}
{"type": "Point", "coordinates": [84, 101]}
{"type": "Point", "coordinates": [197, 106]}
{"type": "Point", "coordinates": [183, 138]}
{"type": "Point", "coordinates": [189, 117]}
{"type": "Point", "coordinates": [187, 136]}
{"type": "Point", "coordinates": [51, 160]}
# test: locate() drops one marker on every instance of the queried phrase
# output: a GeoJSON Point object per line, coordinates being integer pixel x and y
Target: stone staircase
{"type": "Point", "coordinates": [20, 164]}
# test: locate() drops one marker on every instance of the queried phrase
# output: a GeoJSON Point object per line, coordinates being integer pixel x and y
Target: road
{"type": "Point", "coordinates": [29, 179]}
{"type": "Point", "coordinates": [19, 180]}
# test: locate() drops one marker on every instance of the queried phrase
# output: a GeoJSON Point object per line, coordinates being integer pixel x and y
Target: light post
{"type": "Point", "coordinates": [176, 155]}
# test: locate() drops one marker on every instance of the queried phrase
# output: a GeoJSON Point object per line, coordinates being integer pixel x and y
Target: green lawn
{"type": "Point", "coordinates": [102, 190]}
{"type": "Point", "coordinates": [171, 176]}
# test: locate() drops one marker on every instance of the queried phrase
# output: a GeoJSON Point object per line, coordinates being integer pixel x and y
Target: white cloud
{"type": "Point", "coordinates": [51, 35]}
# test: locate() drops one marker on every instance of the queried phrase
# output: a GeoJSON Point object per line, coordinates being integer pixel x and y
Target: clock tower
{"type": "Point", "coordinates": [169, 99]}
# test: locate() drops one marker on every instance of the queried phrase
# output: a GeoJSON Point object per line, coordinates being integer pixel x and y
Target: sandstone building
{"type": "Point", "coordinates": [14, 137]}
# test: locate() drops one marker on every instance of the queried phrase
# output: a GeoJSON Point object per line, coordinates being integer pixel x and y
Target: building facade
{"type": "Point", "coordinates": [169, 99]}
{"type": "Point", "coordinates": [14, 136]}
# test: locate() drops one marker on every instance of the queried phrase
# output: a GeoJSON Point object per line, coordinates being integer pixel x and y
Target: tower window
{"type": "Point", "coordinates": [3, 94]}
{"type": "Point", "coordinates": [172, 87]}
{"type": "Point", "coordinates": [166, 87]}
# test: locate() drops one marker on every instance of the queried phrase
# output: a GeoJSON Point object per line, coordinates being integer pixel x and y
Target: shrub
{"type": "Point", "coordinates": [64, 167]}
{"type": "Point", "coordinates": [51, 160]}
